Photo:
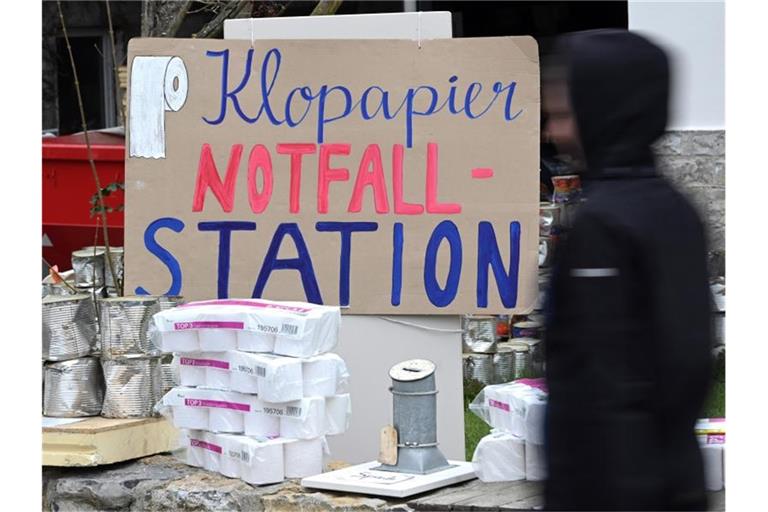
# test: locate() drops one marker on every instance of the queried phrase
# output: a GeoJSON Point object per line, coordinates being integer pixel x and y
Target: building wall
{"type": "Point", "coordinates": [692, 153]}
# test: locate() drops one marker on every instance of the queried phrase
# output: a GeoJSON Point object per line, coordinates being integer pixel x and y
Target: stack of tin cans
{"type": "Point", "coordinates": [72, 382]}
{"type": "Point", "coordinates": [92, 270]}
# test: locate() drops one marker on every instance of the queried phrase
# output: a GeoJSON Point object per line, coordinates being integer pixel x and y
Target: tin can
{"type": "Point", "coordinates": [116, 255]}
{"type": "Point", "coordinates": [73, 388]}
{"type": "Point", "coordinates": [567, 188]}
{"type": "Point", "coordinates": [479, 333]}
{"type": "Point", "coordinates": [526, 329]}
{"type": "Point", "coordinates": [88, 265]}
{"type": "Point", "coordinates": [503, 364]}
{"type": "Point", "coordinates": [169, 301]}
{"type": "Point", "coordinates": [549, 218]}
{"type": "Point", "coordinates": [125, 323]}
{"type": "Point", "coordinates": [69, 327]}
{"type": "Point", "coordinates": [502, 327]}
{"type": "Point", "coordinates": [535, 355]}
{"type": "Point", "coordinates": [479, 367]}
{"type": "Point", "coordinates": [546, 250]}
{"type": "Point", "coordinates": [133, 386]}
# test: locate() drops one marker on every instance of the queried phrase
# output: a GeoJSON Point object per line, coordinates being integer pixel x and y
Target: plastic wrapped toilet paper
{"type": "Point", "coordinates": [499, 457]}
{"type": "Point", "coordinates": [338, 411]}
{"type": "Point", "coordinates": [248, 341]}
{"type": "Point", "coordinates": [178, 341]}
{"type": "Point", "coordinates": [310, 426]}
{"type": "Point", "coordinates": [275, 379]}
{"type": "Point", "coordinates": [324, 375]}
{"type": "Point", "coordinates": [303, 458]}
{"type": "Point", "coordinates": [262, 462]}
{"type": "Point", "coordinates": [516, 407]}
{"type": "Point", "coordinates": [224, 410]}
{"type": "Point", "coordinates": [535, 462]}
{"type": "Point", "coordinates": [194, 369]}
{"type": "Point", "coordinates": [262, 425]}
{"type": "Point", "coordinates": [712, 456]}
{"type": "Point", "coordinates": [300, 329]}
{"type": "Point", "coordinates": [256, 461]}
{"type": "Point", "coordinates": [217, 339]}
{"type": "Point", "coordinates": [229, 463]}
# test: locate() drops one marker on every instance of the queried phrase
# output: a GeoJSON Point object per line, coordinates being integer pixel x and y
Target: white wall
{"type": "Point", "coordinates": [694, 35]}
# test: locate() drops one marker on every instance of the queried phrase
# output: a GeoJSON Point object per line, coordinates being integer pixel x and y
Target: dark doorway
{"type": "Point", "coordinates": [89, 57]}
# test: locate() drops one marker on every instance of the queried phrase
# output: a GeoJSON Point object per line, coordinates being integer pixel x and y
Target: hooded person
{"type": "Point", "coordinates": [628, 315]}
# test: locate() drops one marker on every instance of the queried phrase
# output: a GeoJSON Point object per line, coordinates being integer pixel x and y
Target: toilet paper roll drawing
{"type": "Point", "coordinates": [158, 85]}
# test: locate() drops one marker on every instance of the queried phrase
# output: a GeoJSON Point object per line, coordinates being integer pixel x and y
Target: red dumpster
{"type": "Point", "coordinates": [68, 187]}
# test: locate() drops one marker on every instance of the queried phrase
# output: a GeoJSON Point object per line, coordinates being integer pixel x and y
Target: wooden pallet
{"type": "Point", "coordinates": [97, 441]}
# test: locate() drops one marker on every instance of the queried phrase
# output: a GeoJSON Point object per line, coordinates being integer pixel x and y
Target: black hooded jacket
{"type": "Point", "coordinates": [628, 330]}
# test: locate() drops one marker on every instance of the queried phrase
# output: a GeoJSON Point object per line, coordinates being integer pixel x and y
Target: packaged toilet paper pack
{"type": "Point", "coordinates": [710, 433]}
{"type": "Point", "coordinates": [516, 407]}
{"type": "Point", "coordinates": [256, 461]}
{"type": "Point", "coordinates": [499, 457]}
{"type": "Point", "coordinates": [232, 412]}
{"type": "Point", "coordinates": [274, 378]}
{"type": "Point", "coordinates": [294, 329]}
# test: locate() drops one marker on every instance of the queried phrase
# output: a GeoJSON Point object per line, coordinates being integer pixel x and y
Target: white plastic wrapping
{"type": "Point", "coordinates": [710, 433]}
{"type": "Point", "coordinates": [516, 407]}
{"type": "Point", "coordinates": [299, 329]}
{"type": "Point", "coordinates": [233, 412]}
{"type": "Point", "coordinates": [499, 457]}
{"type": "Point", "coordinates": [303, 458]}
{"type": "Point", "coordinates": [274, 378]}
{"type": "Point", "coordinates": [256, 461]}
{"type": "Point", "coordinates": [535, 462]}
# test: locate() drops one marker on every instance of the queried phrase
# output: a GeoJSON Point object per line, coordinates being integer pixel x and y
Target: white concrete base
{"type": "Point", "coordinates": [363, 479]}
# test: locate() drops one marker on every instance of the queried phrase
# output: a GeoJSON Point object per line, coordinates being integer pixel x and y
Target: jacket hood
{"type": "Point", "coordinates": [619, 89]}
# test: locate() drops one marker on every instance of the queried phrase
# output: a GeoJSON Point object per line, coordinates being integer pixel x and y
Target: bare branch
{"type": "Point", "coordinates": [178, 19]}
{"type": "Point", "coordinates": [213, 27]}
{"type": "Point", "coordinates": [89, 152]}
{"type": "Point", "coordinates": [118, 99]}
{"type": "Point", "coordinates": [326, 7]}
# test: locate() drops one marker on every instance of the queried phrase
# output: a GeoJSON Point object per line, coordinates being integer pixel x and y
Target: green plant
{"type": "Point", "coordinates": [96, 207]}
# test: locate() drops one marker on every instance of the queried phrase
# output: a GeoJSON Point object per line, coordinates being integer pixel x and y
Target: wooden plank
{"type": "Point", "coordinates": [532, 503]}
{"type": "Point", "coordinates": [501, 494]}
{"type": "Point", "coordinates": [104, 441]}
{"type": "Point", "coordinates": [99, 424]}
{"type": "Point", "coordinates": [447, 500]}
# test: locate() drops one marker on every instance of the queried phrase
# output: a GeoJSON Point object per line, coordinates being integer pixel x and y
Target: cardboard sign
{"type": "Point", "coordinates": [373, 174]}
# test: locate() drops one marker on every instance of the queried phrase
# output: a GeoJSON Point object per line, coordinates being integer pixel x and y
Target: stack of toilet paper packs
{"type": "Point", "coordinates": [259, 389]}
{"type": "Point", "coordinates": [514, 450]}
{"type": "Point", "coordinates": [710, 433]}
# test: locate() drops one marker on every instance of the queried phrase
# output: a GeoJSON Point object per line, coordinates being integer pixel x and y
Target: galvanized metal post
{"type": "Point", "coordinates": [415, 418]}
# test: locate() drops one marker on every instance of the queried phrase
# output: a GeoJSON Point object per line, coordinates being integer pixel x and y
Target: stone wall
{"type": "Point", "coordinates": [695, 162]}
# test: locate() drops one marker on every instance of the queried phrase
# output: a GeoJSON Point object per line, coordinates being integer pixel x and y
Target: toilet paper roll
{"type": "Point", "coordinates": [338, 410]}
{"type": "Point", "coordinates": [321, 374]}
{"type": "Point", "coordinates": [498, 408]}
{"type": "Point", "coordinates": [535, 462]}
{"type": "Point", "coordinates": [243, 382]}
{"type": "Point", "coordinates": [305, 347]}
{"type": "Point", "coordinates": [211, 451]}
{"type": "Point", "coordinates": [226, 420]}
{"type": "Point", "coordinates": [190, 373]}
{"type": "Point", "coordinates": [217, 340]}
{"type": "Point", "coordinates": [303, 458]}
{"type": "Point", "coordinates": [217, 378]}
{"type": "Point", "coordinates": [311, 426]}
{"type": "Point", "coordinates": [499, 457]}
{"type": "Point", "coordinates": [229, 464]}
{"type": "Point", "coordinates": [282, 381]}
{"type": "Point", "coordinates": [158, 84]}
{"type": "Point", "coordinates": [190, 417]}
{"type": "Point", "coordinates": [712, 455]}
{"type": "Point", "coordinates": [179, 341]}
{"type": "Point", "coordinates": [263, 462]}
{"type": "Point", "coordinates": [249, 341]}
{"type": "Point", "coordinates": [534, 421]}
{"type": "Point", "coordinates": [192, 455]}
{"type": "Point", "coordinates": [261, 425]}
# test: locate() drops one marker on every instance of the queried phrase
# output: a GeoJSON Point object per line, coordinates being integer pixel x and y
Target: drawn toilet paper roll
{"type": "Point", "coordinates": [158, 84]}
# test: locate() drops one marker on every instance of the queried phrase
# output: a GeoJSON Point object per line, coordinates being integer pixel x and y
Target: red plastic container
{"type": "Point", "coordinates": [68, 186]}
